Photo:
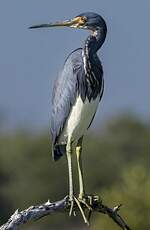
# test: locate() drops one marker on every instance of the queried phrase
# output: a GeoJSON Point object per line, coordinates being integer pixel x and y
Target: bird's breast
{"type": "Point", "coordinates": [79, 119]}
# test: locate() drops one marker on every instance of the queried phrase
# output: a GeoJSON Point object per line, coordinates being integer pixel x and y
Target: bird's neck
{"type": "Point", "coordinates": [94, 42]}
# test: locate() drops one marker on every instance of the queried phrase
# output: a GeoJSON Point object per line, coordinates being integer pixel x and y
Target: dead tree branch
{"type": "Point", "coordinates": [39, 211]}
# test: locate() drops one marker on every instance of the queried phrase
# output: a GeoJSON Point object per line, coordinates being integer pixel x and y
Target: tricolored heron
{"type": "Point", "coordinates": [76, 95]}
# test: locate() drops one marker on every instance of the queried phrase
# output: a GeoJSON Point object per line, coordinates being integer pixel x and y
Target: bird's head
{"type": "Point", "coordinates": [89, 21]}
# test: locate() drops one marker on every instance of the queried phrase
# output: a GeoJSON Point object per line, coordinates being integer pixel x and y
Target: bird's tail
{"type": "Point", "coordinates": [58, 151]}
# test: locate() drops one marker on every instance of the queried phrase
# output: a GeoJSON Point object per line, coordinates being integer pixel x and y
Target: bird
{"type": "Point", "coordinates": [76, 95]}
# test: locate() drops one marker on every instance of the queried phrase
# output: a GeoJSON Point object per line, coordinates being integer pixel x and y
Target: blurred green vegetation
{"type": "Point", "coordinates": [116, 163]}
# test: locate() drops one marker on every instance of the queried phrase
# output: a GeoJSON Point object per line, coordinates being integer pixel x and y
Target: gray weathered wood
{"type": "Point", "coordinates": [39, 211]}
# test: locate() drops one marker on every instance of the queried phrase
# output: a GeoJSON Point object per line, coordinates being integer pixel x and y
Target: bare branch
{"type": "Point", "coordinates": [39, 211]}
{"type": "Point", "coordinates": [33, 213]}
{"type": "Point", "coordinates": [112, 213]}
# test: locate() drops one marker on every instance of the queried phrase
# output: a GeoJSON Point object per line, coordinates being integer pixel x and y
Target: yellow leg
{"type": "Point", "coordinates": [69, 153]}
{"type": "Point", "coordinates": [82, 196]}
{"type": "Point", "coordinates": [80, 170]}
{"type": "Point", "coordinates": [72, 198]}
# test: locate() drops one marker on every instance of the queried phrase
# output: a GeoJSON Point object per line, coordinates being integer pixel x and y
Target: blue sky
{"type": "Point", "coordinates": [31, 60]}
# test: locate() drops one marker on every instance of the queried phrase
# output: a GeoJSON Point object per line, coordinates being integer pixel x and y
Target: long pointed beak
{"type": "Point", "coordinates": [56, 24]}
{"type": "Point", "coordinates": [75, 22]}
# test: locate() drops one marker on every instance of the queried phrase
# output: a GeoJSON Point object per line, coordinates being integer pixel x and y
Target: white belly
{"type": "Point", "coordinates": [79, 119]}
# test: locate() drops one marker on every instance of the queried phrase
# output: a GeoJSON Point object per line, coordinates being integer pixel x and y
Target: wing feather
{"type": "Point", "coordinates": [64, 93]}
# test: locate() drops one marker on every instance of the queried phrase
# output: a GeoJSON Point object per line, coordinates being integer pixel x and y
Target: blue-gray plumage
{"type": "Point", "coordinates": [72, 82]}
{"type": "Point", "coordinates": [76, 95]}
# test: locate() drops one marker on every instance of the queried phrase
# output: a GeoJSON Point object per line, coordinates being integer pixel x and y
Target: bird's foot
{"type": "Point", "coordinates": [84, 202]}
{"type": "Point", "coordinates": [76, 202]}
{"type": "Point", "coordinates": [81, 208]}
{"type": "Point", "coordinates": [88, 201]}
{"type": "Point", "coordinates": [71, 201]}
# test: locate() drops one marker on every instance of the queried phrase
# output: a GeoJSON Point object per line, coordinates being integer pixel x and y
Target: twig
{"type": "Point", "coordinates": [39, 211]}
{"type": "Point", "coordinates": [112, 213]}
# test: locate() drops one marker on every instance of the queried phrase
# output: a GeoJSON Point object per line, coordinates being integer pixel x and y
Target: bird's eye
{"type": "Point", "coordinates": [83, 19]}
